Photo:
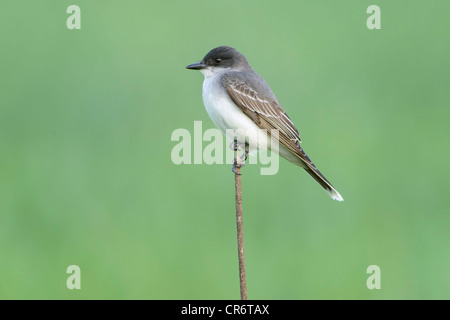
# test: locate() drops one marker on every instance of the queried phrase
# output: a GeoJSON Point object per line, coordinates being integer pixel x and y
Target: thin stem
{"type": "Point", "coordinates": [240, 224]}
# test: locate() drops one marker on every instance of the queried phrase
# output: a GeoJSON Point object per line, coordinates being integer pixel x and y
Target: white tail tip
{"type": "Point", "coordinates": [335, 195]}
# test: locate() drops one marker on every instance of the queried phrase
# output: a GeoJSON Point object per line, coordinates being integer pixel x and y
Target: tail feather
{"type": "Point", "coordinates": [299, 158]}
{"type": "Point", "coordinates": [309, 166]}
{"type": "Point", "coordinates": [313, 172]}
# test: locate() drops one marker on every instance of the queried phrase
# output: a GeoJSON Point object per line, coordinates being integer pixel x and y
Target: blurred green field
{"type": "Point", "coordinates": [86, 176]}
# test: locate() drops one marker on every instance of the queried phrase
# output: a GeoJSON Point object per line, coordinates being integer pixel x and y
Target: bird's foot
{"type": "Point", "coordinates": [239, 161]}
{"type": "Point", "coordinates": [244, 157]}
{"type": "Point", "coordinates": [237, 164]}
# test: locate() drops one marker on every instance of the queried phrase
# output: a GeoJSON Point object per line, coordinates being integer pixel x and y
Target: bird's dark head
{"type": "Point", "coordinates": [220, 58]}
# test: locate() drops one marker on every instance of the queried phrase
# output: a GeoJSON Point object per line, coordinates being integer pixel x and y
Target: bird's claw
{"type": "Point", "coordinates": [239, 162]}
{"type": "Point", "coordinates": [237, 165]}
{"type": "Point", "coordinates": [234, 170]}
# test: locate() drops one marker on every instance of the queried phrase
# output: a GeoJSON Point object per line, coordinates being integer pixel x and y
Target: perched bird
{"type": "Point", "coordinates": [238, 98]}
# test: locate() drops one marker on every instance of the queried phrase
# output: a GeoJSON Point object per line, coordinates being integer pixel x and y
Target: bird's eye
{"type": "Point", "coordinates": [218, 60]}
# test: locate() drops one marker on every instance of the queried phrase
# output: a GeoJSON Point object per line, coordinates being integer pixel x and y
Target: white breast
{"type": "Point", "coordinates": [226, 115]}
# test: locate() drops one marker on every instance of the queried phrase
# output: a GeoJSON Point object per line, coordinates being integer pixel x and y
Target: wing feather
{"type": "Point", "coordinates": [268, 114]}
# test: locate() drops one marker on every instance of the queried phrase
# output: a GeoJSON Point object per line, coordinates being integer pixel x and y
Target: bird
{"type": "Point", "coordinates": [236, 97]}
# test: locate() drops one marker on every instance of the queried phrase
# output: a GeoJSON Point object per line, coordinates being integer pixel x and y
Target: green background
{"type": "Point", "coordinates": [86, 176]}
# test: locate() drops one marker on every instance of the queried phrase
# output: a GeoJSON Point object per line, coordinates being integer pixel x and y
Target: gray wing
{"type": "Point", "coordinates": [254, 97]}
{"type": "Point", "coordinates": [263, 109]}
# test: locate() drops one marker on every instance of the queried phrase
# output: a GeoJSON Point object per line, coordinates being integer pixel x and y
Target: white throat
{"type": "Point", "coordinates": [211, 72]}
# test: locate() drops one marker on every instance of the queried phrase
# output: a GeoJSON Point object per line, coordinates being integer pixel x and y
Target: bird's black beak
{"type": "Point", "coordinates": [197, 66]}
